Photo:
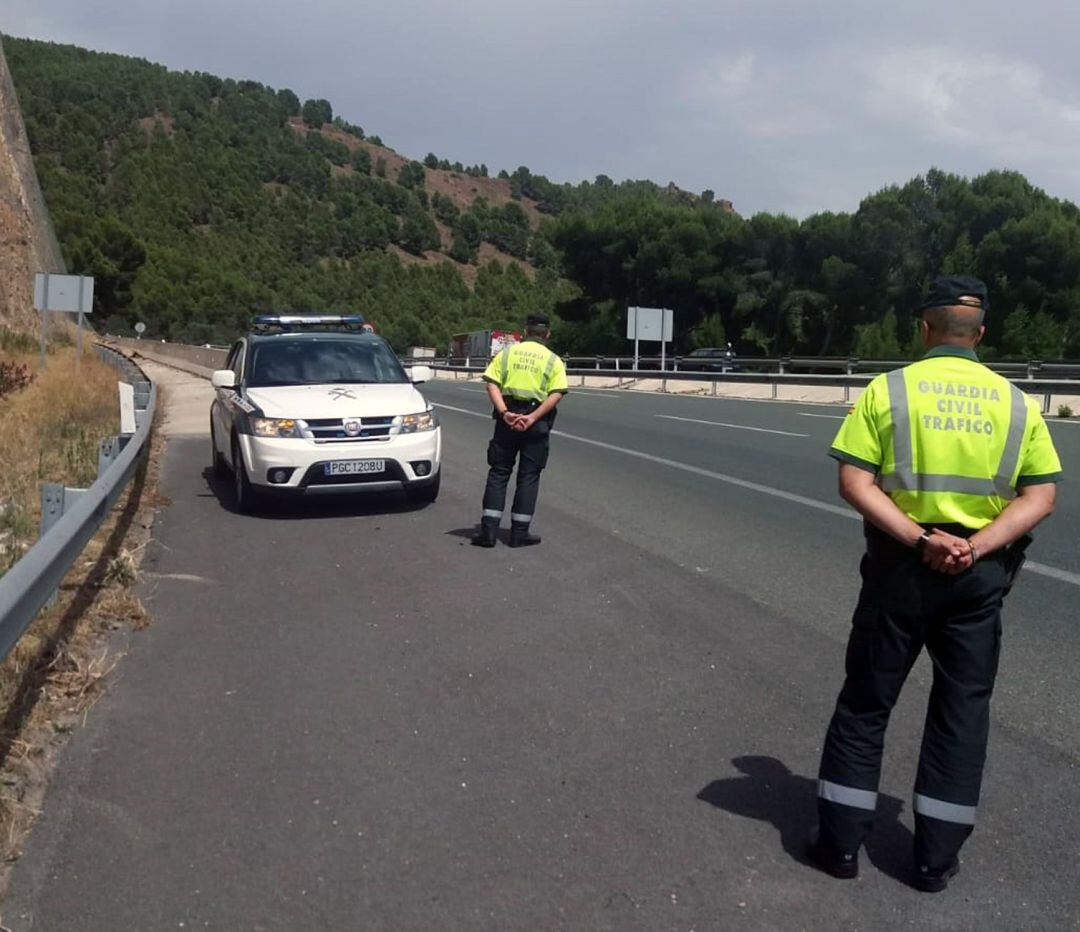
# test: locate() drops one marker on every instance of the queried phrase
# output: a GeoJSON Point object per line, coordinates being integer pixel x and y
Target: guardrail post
{"type": "Point", "coordinates": [782, 364]}
{"type": "Point", "coordinates": [52, 510]}
{"type": "Point", "coordinates": [847, 392]}
{"type": "Point", "coordinates": [1046, 403]}
{"type": "Point", "coordinates": [108, 450]}
{"type": "Point", "coordinates": [774, 387]}
{"type": "Point", "coordinates": [597, 363]}
{"type": "Point", "coordinates": [52, 505]}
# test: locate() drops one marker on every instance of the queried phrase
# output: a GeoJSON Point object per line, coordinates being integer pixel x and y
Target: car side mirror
{"type": "Point", "coordinates": [223, 378]}
{"type": "Point", "coordinates": [421, 374]}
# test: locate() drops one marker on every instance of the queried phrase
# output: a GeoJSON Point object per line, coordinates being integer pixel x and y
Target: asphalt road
{"type": "Point", "coordinates": [344, 717]}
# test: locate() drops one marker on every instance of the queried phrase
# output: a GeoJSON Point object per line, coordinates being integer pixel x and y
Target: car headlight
{"type": "Point", "coordinates": [275, 427]}
{"type": "Point", "coordinates": [414, 423]}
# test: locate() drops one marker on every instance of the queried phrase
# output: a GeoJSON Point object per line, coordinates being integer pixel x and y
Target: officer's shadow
{"type": "Point", "coordinates": [768, 791]}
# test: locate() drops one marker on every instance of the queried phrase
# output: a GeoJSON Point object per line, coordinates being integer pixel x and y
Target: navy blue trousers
{"type": "Point", "coordinates": [903, 607]}
{"type": "Point", "coordinates": [529, 450]}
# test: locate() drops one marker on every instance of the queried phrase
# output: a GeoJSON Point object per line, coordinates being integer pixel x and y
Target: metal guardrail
{"type": "Point", "coordinates": [1044, 387]}
{"type": "Point", "coordinates": [30, 583]}
{"type": "Point", "coordinates": [782, 365]}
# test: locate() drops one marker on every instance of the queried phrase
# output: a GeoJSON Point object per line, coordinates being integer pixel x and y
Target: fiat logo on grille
{"type": "Point", "coordinates": [352, 427]}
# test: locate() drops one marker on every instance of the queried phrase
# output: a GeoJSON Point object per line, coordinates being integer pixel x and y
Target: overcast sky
{"type": "Point", "coordinates": [778, 105]}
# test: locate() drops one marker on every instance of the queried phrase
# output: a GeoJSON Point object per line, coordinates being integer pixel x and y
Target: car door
{"type": "Point", "coordinates": [222, 411]}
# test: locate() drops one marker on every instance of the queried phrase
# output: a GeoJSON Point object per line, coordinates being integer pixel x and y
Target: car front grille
{"type": "Point", "coordinates": [332, 430]}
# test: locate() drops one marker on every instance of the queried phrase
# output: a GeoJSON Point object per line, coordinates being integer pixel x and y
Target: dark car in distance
{"type": "Point", "coordinates": [710, 359]}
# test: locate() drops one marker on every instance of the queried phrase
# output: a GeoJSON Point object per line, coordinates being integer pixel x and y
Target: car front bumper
{"type": "Point", "coordinates": [404, 457]}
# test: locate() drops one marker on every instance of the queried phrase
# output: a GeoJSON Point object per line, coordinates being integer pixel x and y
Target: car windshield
{"type": "Point", "coordinates": [321, 361]}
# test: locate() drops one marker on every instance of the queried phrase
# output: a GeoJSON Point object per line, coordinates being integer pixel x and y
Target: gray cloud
{"type": "Point", "coordinates": [776, 105]}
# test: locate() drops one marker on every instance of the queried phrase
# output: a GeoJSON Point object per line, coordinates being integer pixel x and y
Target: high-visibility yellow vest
{"type": "Point", "coordinates": [527, 371]}
{"type": "Point", "coordinates": [949, 440]}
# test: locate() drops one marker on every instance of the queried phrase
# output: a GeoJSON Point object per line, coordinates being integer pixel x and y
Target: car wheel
{"type": "Point", "coordinates": [426, 494]}
{"type": "Point", "coordinates": [221, 469]}
{"type": "Point", "coordinates": [245, 494]}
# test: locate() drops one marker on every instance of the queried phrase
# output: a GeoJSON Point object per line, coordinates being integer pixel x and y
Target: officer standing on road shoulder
{"type": "Point", "coordinates": [525, 382]}
{"type": "Point", "coordinates": [951, 466]}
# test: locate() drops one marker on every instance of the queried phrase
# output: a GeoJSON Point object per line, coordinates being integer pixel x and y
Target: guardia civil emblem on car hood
{"type": "Point", "coordinates": [316, 401]}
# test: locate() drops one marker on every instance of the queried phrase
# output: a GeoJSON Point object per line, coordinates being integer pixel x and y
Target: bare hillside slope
{"type": "Point", "coordinates": [27, 244]}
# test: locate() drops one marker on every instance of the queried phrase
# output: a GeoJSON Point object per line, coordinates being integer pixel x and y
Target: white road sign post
{"type": "Point", "coordinates": [649, 323]}
{"type": "Point", "coordinates": [68, 294]}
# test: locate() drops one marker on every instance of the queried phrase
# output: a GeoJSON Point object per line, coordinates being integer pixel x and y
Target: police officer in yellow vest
{"type": "Point", "coordinates": [951, 466]}
{"type": "Point", "coordinates": [525, 382]}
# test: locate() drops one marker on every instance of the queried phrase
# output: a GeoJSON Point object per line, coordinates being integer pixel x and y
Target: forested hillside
{"type": "Point", "coordinates": [197, 201]}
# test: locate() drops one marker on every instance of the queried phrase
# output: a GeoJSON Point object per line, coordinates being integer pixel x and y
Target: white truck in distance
{"type": "Point", "coordinates": [482, 344]}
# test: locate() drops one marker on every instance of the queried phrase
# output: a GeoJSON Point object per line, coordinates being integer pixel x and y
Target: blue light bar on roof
{"type": "Point", "coordinates": [290, 321]}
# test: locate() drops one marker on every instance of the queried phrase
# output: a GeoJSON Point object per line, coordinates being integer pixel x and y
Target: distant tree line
{"type": "Point", "coordinates": [834, 283]}
{"type": "Point", "coordinates": [196, 201]}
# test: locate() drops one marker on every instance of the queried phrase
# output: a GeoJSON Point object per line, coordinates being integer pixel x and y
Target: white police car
{"type": "Point", "coordinates": [312, 404]}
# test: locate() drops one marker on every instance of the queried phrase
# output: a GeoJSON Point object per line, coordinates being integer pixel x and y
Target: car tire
{"type": "Point", "coordinates": [246, 497]}
{"type": "Point", "coordinates": [425, 494]}
{"type": "Point", "coordinates": [221, 469]}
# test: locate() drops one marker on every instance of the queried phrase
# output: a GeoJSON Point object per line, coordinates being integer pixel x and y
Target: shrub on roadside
{"type": "Point", "coordinates": [14, 376]}
{"type": "Point", "coordinates": [1065, 411]}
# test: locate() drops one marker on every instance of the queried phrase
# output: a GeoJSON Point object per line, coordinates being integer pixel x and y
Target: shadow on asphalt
{"type": "Point", "coordinates": [355, 505]}
{"type": "Point", "coordinates": [503, 534]}
{"type": "Point", "coordinates": [769, 792]}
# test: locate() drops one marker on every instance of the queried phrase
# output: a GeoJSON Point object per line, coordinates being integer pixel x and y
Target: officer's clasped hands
{"type": "Point", "coordinates": [947, 553]}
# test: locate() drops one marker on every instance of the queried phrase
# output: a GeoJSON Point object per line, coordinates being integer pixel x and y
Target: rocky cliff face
{"type": "Point", "coordinates": [27, 243]}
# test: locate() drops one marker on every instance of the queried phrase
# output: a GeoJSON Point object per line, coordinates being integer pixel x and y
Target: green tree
{"type": "Point", "coordinates": [290, 103]}
{"type": "Point", "coordinates": [878, 340]}
{"type": "Point", "coordinates": [412, 175]}
{"type": "Point", "coordinates": [361, 160]}
{"type": "Point", "coordinates": [418, 231]}
{"type": "Point", "coordinates": [317, 112]}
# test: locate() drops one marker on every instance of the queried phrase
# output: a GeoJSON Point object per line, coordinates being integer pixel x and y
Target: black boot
{"type": "Point", "coordinates": [520, 536]}
{"type": "Point", "coordinates": [930, 880]}
{"type": "Point", "coordinates": [824, 857]}
{"type": "Point", "coordinates": [485, 535]}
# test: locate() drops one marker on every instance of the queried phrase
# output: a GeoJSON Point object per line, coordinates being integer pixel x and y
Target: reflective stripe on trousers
{"type": "Point", "coordinates": [847, 795]}
{"type": "Point", "coordinates": [904, 478]}
{"type": "Point", "coordinates": [944, 811]}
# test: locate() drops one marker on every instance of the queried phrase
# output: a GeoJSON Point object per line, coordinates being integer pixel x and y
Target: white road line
{"type": "Point", "coordinates": [1040, 569]}
{"type": "Point", "coordinates": [1053, 572]}
{"type": "Point", "coordinates": [835, 417]}
{"type": "Point", "coordinates": [760, 430]}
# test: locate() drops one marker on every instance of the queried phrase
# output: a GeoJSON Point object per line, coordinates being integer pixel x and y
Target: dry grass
{"type": "Point", "coordinates": [60, 666]}
{"type": "Point", "coordinates": [49, 432]}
